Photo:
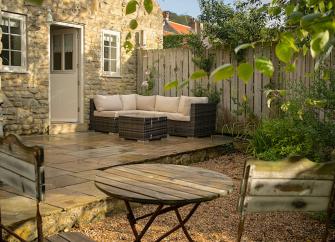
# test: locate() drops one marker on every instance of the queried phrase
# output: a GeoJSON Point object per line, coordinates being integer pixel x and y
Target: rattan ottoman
{"type": "Point", "coordinates": [142, 127]}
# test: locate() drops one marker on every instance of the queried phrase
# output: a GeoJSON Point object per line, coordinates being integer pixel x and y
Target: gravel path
{"type": "Point", "coordinates": [217, 220]}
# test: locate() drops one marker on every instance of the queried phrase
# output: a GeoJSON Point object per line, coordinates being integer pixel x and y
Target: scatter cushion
{"type": "Point", "coordinates": [107, 102]}
{"type": "Point", "coordinates": [185, 103]}
{"type": "Point", "coordinates": [167, 104]}
{"type": "Point", "coordinates": [146, 103]}
{"type": "Point", "coordinates": [128, 102]}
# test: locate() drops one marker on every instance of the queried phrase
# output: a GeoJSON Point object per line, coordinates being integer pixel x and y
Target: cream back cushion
{"type": "Point", "coordinates": [128, 102]}
{"type": "Point", "coordinates": [167, 104]}
{"type": "Point", "coordinates": [185, 103]}
{"type": "Point", "coordinates": [107, 102]}
{"type": "Point", "coordinates": [146, 103]}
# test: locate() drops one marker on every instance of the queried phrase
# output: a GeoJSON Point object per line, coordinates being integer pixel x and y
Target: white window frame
{"type": "Point", "coordinates": [118, 53]}
{"type": "Point", "coordinates": [23, 67]}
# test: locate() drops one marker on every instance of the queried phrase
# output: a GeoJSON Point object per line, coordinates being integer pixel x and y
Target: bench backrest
{"type": "Point", "coordinates": [21, 167]}
{"type": "Point", "coordinates": [300, 185]}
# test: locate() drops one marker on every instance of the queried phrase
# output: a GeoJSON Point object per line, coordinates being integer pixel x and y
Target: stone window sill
{"type": "Point", "coordinates": [14, 72]}
{"type": "Point", "coordinates": [112, 76]}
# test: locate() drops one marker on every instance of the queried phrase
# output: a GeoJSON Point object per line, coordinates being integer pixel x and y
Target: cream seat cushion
{"type": "Point", "coordinates": [116, 114]}
{"type": "Point", "coordinates": [167, 104]}
{"type": "Point", "coordinates": [128, 102]}
{"type": "Point", "coordinates": [185, 104]}
{"type": "Point", "coordinates": [146, 103]}
{"type": "Point", "coordinates": [107, 102]}
{"type": "Point", "coordinates": [176, 116]}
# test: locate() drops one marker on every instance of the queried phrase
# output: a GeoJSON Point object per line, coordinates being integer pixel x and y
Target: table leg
{"type": "Point", "coordinates": [181, 224]}
{"type": "Point", "coordinates": [152, 216]}
{"type": "Point", "coordinates": [132, 220]}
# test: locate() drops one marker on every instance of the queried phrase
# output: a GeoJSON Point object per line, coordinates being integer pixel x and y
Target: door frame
{"type": "Point", "coordinates": [80, 48]}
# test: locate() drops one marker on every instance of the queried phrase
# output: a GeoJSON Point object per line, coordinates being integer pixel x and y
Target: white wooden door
{"type": "Point", "coordinates": [64, 79]}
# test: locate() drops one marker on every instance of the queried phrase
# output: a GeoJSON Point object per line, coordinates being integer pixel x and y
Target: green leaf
{"type": "Point", "coordinates": [245, 71]}
{"type": "Point", "coordinates": [318, 42]}
{"type": "Point", "coordinates": [148, 6]}
{"type": "Point", "coordinates": [322, 6]}
{"type": "Point", "coordinates": [264, 66]}
{"type": "Point", "coordinates": [288, 39]}
{"type": "Point", "coordinates": [223, 72]}
{"type": "Point", "coordinates": [290, 67]}
{"type": "Point", "coordinates": [131, 7]}
{"type": "Point", "coordinates": [284, 52]}
{"type": "Point", "coordinates": [171, 85]}
{"type": "Point", "coordinates": [128, 46]}
{"type": "Point", "coordinates": [243, 46]}
{"type": "Point", "coordinates": [183, 84]}
{"type": "Point", "coordinates": [330, 5]}
{"type": "Point", "coordinates": [198, 74]}
{"type": "Point", "coordinates": [128, 36]}
{"type": "Point", "coordinates": [309, 19]}
{"type": "Point", "coordinates": [133, 24]}
{"type": "Point", "coordinates": [295, 17]}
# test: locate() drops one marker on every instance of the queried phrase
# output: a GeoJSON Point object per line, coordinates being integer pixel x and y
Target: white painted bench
{"type": "Point", "coordinates": [288, 185]}
{"type": "Point", "coordinates": [21, 167]}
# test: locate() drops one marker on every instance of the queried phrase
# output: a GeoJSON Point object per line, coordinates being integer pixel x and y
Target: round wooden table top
{"type": "Point", "coordinates": [163, 184]}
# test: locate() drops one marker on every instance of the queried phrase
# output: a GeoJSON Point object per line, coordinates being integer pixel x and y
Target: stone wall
{"type": "Point", "coordinates": [26, 95]}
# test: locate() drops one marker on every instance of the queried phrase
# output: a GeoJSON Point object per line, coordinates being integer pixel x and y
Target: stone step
{"type": "Point", "coordinates": [65, 128]}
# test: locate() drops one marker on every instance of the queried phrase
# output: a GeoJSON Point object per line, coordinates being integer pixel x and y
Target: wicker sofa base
{"type": "Point", "coordinates": [202, 123]}
{"type": "Point", "coordinates": [104, 124]}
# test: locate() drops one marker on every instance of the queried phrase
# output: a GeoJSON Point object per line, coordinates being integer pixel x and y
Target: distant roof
{"type": "Point", "coordinates": [171, 27]}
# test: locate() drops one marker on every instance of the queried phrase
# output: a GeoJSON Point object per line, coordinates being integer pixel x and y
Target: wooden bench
{"type": "Point", "coordinates": [289, 185]}
{"type": "Point", "coordinates": [21, 167]}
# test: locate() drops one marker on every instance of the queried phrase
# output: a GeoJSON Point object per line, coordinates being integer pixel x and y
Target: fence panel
{"type": "Point", "coordinates": [177, 64]}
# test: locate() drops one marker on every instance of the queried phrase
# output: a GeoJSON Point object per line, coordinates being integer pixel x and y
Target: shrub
{"type": "Point", "coordinates": [306, 126]}
{"type": "Point", "coordinates": [278, 138]}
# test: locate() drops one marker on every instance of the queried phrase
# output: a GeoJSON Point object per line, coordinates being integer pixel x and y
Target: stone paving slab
{"type": "Point", "coordinates": [71, 161]}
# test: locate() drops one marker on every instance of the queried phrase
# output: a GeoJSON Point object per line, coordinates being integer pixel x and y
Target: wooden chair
{"type": "Point", "coordinates": [289, 185]}
{"type": "Point", "coordinates": [21, 167]}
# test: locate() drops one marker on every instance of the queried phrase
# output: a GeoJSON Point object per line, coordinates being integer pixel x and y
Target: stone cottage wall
{"type": "Point", "coordinates": [26, 95]}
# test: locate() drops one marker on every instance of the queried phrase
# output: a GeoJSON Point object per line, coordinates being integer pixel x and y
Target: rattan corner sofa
{"type": "Point", "coordinates": [187, 116]}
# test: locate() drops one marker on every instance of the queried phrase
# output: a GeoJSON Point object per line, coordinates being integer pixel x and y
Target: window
{"type": "Point", "coordinates": [111, 53]}
{"type": "Point", "coordinates": [13, 42]}
{"type": "Point", "coordinates": [63, 47]}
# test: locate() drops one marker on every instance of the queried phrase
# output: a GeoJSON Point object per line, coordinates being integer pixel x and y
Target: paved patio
{"type": "Point", "coordinates": [71, 161]}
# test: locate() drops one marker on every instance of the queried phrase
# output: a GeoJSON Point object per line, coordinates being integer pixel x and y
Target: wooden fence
{"type": "Point", "coordinates": [176, 64]}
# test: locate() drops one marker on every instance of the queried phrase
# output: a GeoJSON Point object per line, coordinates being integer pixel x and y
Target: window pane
{"type": "Point", "coordinates": [113, 40]}
{"type": "Point", "coordinates": [113, 65]}
{"type": "Point", "coordinates": [4, 25]}
{"type": "Point", "coordinates": [57, 43]}
{"type": "Point", "coordinates": [5, 57]}
{"type": "Point", "coordinates": [106, 52]}
{"type": "Point", "coordinates": [68, 60]}
{"type": "Point", "coordinates": [15, 58]}
{"type": "Point", "coordinates": [5, 41]}
{"type": "Point", "coordinates": [57, 52]}
{"type": "Point", "coordinates": [15, 26]}
{"type": "Point", "coordinates": [68, 51]}
{"type": "Point", "coordinates": [57, 61]}
{"type": "Point", "coordinates": [106, 65]}
{"type": "Point", "coordinates": [113, 55]}
{"type": "Point", "coordinates": [106, 40]}
{"type": "Point", "coordinates": [15, 42]}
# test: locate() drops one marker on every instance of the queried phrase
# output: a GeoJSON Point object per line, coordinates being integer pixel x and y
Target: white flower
{"type": "Point", "coordinates": [147, 72]}
{"type": "Point", "coordinates": [145, 84]}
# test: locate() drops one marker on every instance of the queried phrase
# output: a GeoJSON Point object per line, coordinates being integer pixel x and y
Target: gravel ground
{"type": "Point", "coordinates": [216, 220]}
